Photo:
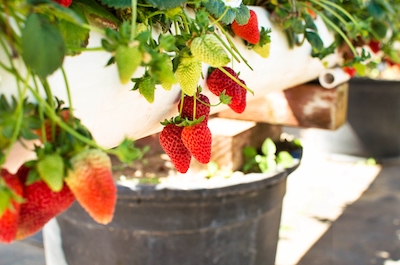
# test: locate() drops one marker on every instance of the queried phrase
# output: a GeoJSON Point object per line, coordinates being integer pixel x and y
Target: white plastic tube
{"type": "Point", "coordinates": [331, 78]}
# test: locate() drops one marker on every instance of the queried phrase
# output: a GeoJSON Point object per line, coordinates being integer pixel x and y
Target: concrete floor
{"type": "Point", "coordinates": [337, 211]}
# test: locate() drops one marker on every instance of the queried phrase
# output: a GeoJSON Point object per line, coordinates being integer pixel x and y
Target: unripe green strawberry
{"type": "Point", "coordinates": [10, 216]}
{"type": "Point", "coordinates": [127, 59]}
{"type": "Point", "coordinates": [262, 51]}
{"type": "Point", "coordinates": [171, 142]}
{"type": "Point", "coordinates": [197, 138]}
{"type": "Point", "coordinates": [208, 49]}
{"type": "Point", "coordinates": [249, 32]}
{"type": "Point", "coordinates": [41, 205]}
{"type": "Point", "coordinates": [147, 85]}
{"type": "Point", "coordinates": [91, 181]}
{"type": "Point", "coordinates": [51, 171]}
{"type": "Point", "coordinates": [201, 109]}
{"type": "Point", "coordinates": [167, 83]}
{"type": "Point", "coordinates": [188, 74]}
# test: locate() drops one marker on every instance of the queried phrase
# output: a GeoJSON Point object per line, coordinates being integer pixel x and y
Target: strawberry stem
{"type": "Point", "coordinates": [181, 107]}
{"type": "Point", "coordinates": [233, 46]}
{"type": "Point", "coordinates": [133, 22]}
{"type": "Point", "coordinates": [68, 93]}
{"type": "Point", "coordinates": [222, 16]}
{"type": "Point", "coordinates": [235, 79]}
{"type": "Point", "coordinates": [194, 105]}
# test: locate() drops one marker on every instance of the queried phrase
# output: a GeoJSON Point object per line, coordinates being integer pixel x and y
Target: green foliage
{"type": "Point", "coordinates": [266, 159]}
{"type": "Point", "coordinates": [43, 47]}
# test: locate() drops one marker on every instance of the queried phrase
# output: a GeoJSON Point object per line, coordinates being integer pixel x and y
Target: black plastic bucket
{"type": "Point", "coordinates": [234, 225]}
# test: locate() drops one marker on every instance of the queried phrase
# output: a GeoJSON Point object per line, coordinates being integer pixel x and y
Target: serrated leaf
{"type": "Point", "coordinates": [98, 12]}
{"type": "Point", "coordinates": [76, 37]}
{"type": "Point", "coordinates": [147, 87]}
{"type": "Point", "coordinates": [127, 152]}
{"type": "Point", "coordinates": [51, 171]}
{"type": "Point", "coordinates": [242, 14]}
{"type": "Point", "coordinates": [208, 49]}
{"type": "Point", "coordinates": [188, 74]}
{"type": "Point", "coordinates": [218, 10]}
{"type": "Point", "coordinates": [162, 4]}
{"type": "Point", "coordinates": [315, 40]}
{"type": "Point", "coordinates": [42, 45]}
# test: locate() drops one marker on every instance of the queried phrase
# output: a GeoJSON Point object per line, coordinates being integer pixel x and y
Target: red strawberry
{"type": "Point", "coordinates": [238, 100]}
{"type": "Point", "coordinates": [249, 32]}
{"type": "Point", "coordinates": [350, 70]}
{"type": "Point", "coordinates": [218, 81]}
{"type": "Point", "coordinates": [201, 109]}
{"type": "Point", "coordinates": [41, 205]}
{"type": "Point", "coordinates": [9, 218]}
{"type": "Point", "coordinates": [171, 142]}
{"type": "Point", "coordinates": [92, 183]}
{"type": "Point", "coordinates": [375, 46]}
{"type": "Point", "coordinates": [65, 3]}
{"type": "Point", "coordinates": [197, 138]}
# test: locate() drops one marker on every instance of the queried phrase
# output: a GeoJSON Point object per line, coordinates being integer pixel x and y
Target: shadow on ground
{"type": "Point", "coordinates": [368, 231]}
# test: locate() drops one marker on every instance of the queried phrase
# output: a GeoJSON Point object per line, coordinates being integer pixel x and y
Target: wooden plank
{"type": "Point", "coordinates": [308, 105]}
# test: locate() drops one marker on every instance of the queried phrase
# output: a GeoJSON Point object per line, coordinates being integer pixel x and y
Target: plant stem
{"type": "Point", "coordinates": [71, 109]}
{"type": "Point", "coordinates": [133, 22]}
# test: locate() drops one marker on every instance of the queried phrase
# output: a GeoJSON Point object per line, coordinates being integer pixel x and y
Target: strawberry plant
{"type": "Point", "coordinates": [153, 45]}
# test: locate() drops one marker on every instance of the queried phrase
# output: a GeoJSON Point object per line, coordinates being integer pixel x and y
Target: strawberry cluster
{"type": "Point", "coordinates": [188, 135]}
{"type": "Point", "coordinates": [89, 180]}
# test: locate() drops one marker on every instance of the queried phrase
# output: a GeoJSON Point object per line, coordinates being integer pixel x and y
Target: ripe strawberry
{"type": "Point", "coordinates": [128, 60]}
{"type": "Point", "coordinates": [201, 109]}
{"type": "Point", "coordinates": [218, 81]}
{"type": "Point", "coordinates": [41, 205]}
{"type": "Point", "coordinates": [238, 100]}
{"type": "Point", "coordinates": [197, 138]}
{"type": "Point", "coordinates": [91, 181]}
{"type": "Point", "coordinates": [208, 49]}
{"type": "Point", "coordinates": [65, 3]}
{"type": "Point", "coordinates": [375, 46]}
{"type": "Point", "coordinates": [171, 142]}
{"type": "Point", "coordinates": [249, 32]}
{"type": "Point", "coordinates": [9, 218]}
{"type": "Point", "coordinates": [188, 74]}
{"type": "Point", "coordinates": [350, 70]}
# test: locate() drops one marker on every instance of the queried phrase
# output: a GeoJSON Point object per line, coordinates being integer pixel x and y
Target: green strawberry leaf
{"type": "Point", "coordinates": [219, 10]}
{"type": "Point", "coordinates": [242, 14]}
{"type": "Point", "coordinates": [97, 12]}
{"type": "Point", "coordinates": [75, 36]}
{"type": "Point", "coordinates": [51, 171]}
{"type": "Point", "coordinates": [162, 4]}
{"type": "Point", "coordinates": [42, 45]}
{"type": "Point", "coordinates": [315, 40]}
{"type": "Point", "coordinates": [127, 152]}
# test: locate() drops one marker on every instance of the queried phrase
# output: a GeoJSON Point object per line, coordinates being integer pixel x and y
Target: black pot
{"type": "Point", "coordinates": [373, 122]}
{"type": "Point", "coordinates": [233, 225]}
